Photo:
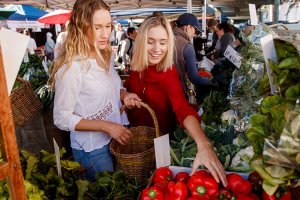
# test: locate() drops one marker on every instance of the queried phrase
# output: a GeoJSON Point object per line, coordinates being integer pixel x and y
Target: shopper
{"type": "Point", "coordinates": [61, 38]}
{"type": "Point", "coordinates": [49, 46]}
{"type": "Point", "coordinates": [88, 89]}
{"type": "Point", "coordinates": [155, 80]}
{"type": "Point", "coordinates": [185, 29]}
{"type": "Point", "coordinates": [126, 48]}
{"type": "Point", "coordinates": [31, 47]}
{"type": "Point", "coordinates": [120, 34]}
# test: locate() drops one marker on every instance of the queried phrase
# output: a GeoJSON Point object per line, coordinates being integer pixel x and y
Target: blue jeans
{"type": "Point", "coordinates": [99, 160]}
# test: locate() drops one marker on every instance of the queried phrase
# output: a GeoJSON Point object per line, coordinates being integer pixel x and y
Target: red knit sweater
{"type": "Point", "coordinates": [163, 92]}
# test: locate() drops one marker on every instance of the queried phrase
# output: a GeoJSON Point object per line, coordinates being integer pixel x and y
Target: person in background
{"type": "Point", "coordinates": [49, 46]}
{"type": "Point", "coordinates": [212, 26]}
{"type": "Point", "coordinates": [127, 47]}
{"type": "Point", "coordinates": [226, 37]}
{"type": "Point", "coordinates": [88, 89]}
{"type": "Point", "coordinates": [223, 68]}
{"type": "Point", "coordinates": [186, 27]}
{"type": "Point", "coordinates": [120, 34]}
{"type": "Point", "coordinates": [61, 38]}
{"type": "Point", "coordinates": [155, 80]}
{"type": "Point", "coordinates": [32, 44]}
{"type": "Point", "coordinates": [30, 47]}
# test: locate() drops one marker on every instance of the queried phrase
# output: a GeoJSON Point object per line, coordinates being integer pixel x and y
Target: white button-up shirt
{"type": "Point", "coordinates": [86, 91]}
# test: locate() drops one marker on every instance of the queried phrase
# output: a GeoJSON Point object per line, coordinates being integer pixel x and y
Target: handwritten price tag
{"type": "Point", "coordinates": [233, 56]}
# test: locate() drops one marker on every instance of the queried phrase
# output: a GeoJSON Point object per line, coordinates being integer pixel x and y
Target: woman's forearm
{"type": "Point", "coordinates": [93, 125]}
{"type": "Point", "coordinates": [195, 130]}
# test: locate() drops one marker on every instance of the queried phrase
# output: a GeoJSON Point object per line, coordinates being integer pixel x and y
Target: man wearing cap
{"type": "Point", "coordinates": [186, 27]}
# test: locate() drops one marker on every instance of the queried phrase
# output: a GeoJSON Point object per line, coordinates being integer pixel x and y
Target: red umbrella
{"type": "Point", "coordinates": [56, 17]}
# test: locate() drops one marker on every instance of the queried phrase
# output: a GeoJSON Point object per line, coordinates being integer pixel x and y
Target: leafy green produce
{"type": "Point", "coordinates": [269, 102]}
{"type": "Point", "coordinates": [293, 92]}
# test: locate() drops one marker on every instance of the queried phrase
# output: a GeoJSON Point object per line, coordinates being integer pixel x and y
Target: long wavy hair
{"type": "Point", "coordinates": [140, 54]}
{"type": "Point", "coordinates": [80, 30]}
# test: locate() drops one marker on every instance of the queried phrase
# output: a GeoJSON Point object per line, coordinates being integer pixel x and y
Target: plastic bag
{"type": "Point", "coordinates": [206, 64]}
{"type": "Point", "coordinates": [286, 151]}
{"type": "Point", "coordinates": [246, 80]}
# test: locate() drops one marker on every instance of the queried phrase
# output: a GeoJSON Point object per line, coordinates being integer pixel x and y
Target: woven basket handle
{"type": "Point", "coordinates": [21, 80]}
{"type": "Point", "coordinates": [152, 113]}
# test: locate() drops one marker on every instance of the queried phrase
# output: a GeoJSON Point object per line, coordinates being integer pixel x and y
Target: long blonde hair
{"type": "Point", "coordinates": [77, 41]}
{"type": "Point", "coordinates": [140, 55]}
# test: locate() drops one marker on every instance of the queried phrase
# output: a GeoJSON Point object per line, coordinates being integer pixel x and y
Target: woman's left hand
{"type": "Point", "coordinates": [131, 100]}
{"type": "Point", "coordinates": [207, 157]}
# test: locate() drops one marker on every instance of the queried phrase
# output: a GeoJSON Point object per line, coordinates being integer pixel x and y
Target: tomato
{"type": "Point", "coordinates": [162, 174]}
{"type": "Point", "coordinates": [256, 181]}
{"type": "Point", "coordinates": [246, 197]}
{"type": "Point", "coordinates": [237, 184]}
{"type": "Point", "coordinates": [202, 185]}
{"type": "Point", "coordinates": [224, 194]}
{"type": "Point", "coordinates": [152, 193]}
{"type": "Point", "coordinates": [182, 177]}
{"type": "Point", "coordinates": [176, 191]}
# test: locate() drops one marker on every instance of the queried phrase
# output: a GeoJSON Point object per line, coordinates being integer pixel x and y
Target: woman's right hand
{"type": "Point", "coordinates": [119, 132]}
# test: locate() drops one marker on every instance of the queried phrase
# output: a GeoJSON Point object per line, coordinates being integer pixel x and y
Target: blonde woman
{"type": "Point", "coordinates": [88, 89]}
{"type": "Point", "coordinates": [155, 80]}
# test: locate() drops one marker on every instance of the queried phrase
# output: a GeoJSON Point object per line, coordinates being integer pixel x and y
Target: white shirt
{"type": "Point", "coordinates": [61, 38]}
{"type": "Point", "coordinates": [87, 92]}
{"type": "Point", "coordinates": [31, 46]}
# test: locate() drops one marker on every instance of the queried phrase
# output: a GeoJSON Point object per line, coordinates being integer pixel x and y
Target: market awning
{"type": "Point", "coordinates": [25, 12]}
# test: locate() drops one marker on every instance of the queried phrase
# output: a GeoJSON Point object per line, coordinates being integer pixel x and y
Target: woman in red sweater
{"type": "Point", "coordinates": [156, 82]}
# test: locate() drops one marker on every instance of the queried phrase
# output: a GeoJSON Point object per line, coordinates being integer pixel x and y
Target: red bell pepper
{"type": "Point", "coordinates": [286, 195]}
{"type": "Point", "coordinates": [162, 174]}
{"type": "Point", "coordinates": [152, 193]}
{"type": "Point", "coordinates": [176, 191]}
{"type": "Point", "coordinates": [202, 185]}
{"type": "Point", "coordinates": [237, 184]}
{"type": "Point", "coordinates": [162, 185]}
{"type": "Point", "coordinates": [182, 177]}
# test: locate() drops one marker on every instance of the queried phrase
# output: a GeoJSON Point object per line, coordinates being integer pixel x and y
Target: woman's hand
{"type": "Point", "coordinates": [131, 100]}
{"type": "Point", "coordinates": [207, 157]}
{"type": "Point", "coordinates": [119, 133]}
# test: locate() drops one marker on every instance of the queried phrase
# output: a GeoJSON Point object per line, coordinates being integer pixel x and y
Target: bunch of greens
{"type": "Point", "coordinates": [114, 186]}
{"type": "Point", "coordinates": [268, 124]}
{"type": "Point", "coordinates": [42, 181]}
{"type": "Point", "coordinates": [214, 105]}
{"type": "Point", "coordinates": [34, 70]}
{"type": "Point", "coordinates": [184, 149]}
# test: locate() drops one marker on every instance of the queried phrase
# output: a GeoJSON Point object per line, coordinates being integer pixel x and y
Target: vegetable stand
{"type": "Point", "coordinates": [10, 168]}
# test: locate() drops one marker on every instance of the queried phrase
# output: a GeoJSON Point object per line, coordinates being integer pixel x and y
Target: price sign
{"type": "Point", "coordinates": [233, 56]}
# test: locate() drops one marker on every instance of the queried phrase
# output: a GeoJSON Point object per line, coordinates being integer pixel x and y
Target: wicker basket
{"type": "Point", "coordinates": [137, 157]}
{"type": "Point", "coordinates": [24, 103]}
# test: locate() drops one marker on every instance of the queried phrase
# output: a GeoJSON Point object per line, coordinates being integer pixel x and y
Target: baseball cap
{"type": "Point", "coordinates": [189, 19]}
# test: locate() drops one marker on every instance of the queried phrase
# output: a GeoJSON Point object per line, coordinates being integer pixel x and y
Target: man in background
{"type": "Point", "coordinates": [127, 47]}
{"type": "Point", "coordinates": [120, 34]}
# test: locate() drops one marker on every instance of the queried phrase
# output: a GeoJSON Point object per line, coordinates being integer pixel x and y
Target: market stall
{"type": "Point", "coordinates": [253, 129]}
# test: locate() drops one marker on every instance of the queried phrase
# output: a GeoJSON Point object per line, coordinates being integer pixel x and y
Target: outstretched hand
{"type": "Point", "coordinates": [207, 157]}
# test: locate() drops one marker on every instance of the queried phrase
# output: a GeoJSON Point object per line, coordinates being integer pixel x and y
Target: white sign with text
{"type": "Point", "coordinates": [233, 56]}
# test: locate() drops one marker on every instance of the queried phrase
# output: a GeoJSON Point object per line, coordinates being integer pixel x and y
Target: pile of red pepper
{"type": "Point", "coordinates": [201, 185]}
